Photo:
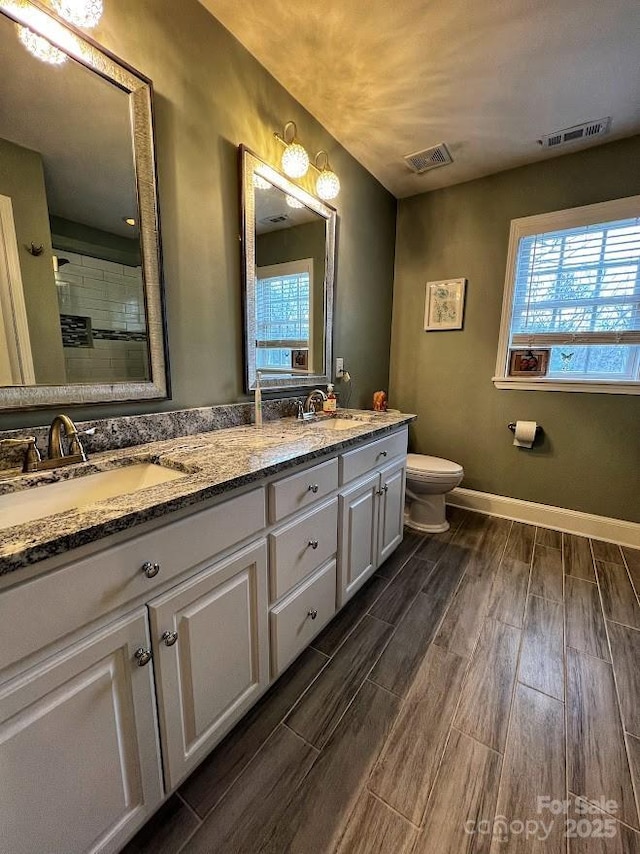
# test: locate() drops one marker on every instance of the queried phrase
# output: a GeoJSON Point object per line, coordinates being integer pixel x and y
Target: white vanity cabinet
{"type": "Point", "coordinates": [211, 655]}
{"type": "Point", "coordinates": [123, 667]}
{"type": "Point", "coordinates": [371, 514]}
{"type": "Point", "coordinates": [79, 760]}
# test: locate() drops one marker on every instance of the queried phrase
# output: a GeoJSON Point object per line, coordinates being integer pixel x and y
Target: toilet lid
{"type": "Point", "coordinates": [422, 464]}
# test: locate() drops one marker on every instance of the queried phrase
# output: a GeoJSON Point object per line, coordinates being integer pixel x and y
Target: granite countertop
{"type": "Point", "coordinates": [213, 463]}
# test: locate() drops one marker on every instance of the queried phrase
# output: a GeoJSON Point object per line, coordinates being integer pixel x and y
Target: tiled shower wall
{"type": "Point", "coordinates": [111, 296]}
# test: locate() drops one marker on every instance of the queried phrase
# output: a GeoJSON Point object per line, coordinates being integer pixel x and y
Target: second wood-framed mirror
{"type": "Point", "coordinates": [288, 243]}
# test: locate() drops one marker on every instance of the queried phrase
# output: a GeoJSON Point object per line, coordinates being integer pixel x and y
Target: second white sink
{"type": "Point", "coordinates": [18, 508]}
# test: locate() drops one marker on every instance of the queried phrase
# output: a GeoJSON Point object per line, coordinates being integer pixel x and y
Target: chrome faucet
{"type": "Point", "coordinates": [316, 395]}
{"type": "Point", "coordinates": [55, 452]}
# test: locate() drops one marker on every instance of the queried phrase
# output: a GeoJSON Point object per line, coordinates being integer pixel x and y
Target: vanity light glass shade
{"type": "Point", "coordinates": [39, 47]}
{"type": "Point", "coordinates": [80, 13]}
{"type": "Point", "coordinates": [295, 160]}
{"type": "Point", "coordinates": [327, 185]}
{"type": "Point", "coordinates": [294, 203]}
{"type": "Point", "coordinates": [260, 183]}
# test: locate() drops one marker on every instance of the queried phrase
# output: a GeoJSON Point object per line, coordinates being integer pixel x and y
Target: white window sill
{"type": "Point", "coordinates": [545, 384]}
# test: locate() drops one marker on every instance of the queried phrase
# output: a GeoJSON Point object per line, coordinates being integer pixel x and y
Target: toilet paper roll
{"type": "Point", "coordinates": [525, 434]}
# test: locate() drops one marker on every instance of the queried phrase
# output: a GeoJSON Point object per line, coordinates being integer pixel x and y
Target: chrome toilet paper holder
{"type": "Point", "coordinates": [512, 426]}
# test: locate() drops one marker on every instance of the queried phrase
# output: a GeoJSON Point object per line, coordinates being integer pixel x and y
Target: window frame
{"type": "Point", "coordinates": [602, 212]}
{"type": "Point", "coordinates": [281, 270]}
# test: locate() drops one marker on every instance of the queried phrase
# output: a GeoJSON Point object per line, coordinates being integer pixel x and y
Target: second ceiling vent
{"type": "Point", "coordinates": [430, 158]}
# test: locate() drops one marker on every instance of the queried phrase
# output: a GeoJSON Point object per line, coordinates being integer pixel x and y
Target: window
{"type": "Point", "coordinates": [573, 288]}
{"type": "Point", "coordinates": [283, 319]}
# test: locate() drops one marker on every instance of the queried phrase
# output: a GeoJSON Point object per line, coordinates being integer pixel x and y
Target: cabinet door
{"type": "Point", "coordinates": [79, 747]}
{"type": "Point", "coordinates": [358, 536]}
{"type": "Point", "coordinates": [391, 518]}
{"type": "Point", "coordinates": [217, 664]}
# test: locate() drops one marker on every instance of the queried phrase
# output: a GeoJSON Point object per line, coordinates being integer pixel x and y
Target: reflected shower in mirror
{"type": "Point", "coordinates": [74, 291]}
{"type": "Point", "coordinates": [288, 265]}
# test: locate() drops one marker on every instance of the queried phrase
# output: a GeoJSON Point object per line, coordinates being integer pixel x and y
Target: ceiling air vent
{"type": "Point", "coordinates": [430, 158]}
{"type": "Point", "coordinates": [275, 219]}
{"type": "Point", "coordinates": [599, 127]}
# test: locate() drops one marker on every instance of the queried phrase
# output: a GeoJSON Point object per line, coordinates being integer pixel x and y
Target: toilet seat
{"type": "Point", "coordinates": [432, 469]}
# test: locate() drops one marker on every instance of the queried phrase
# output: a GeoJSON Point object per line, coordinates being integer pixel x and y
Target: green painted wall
{"type": "Point", "coordinates": [294, 244]}
{"type": "Point", "coordinates": [590, 457]}
{"type": "Point", "coordinates": [211, 95]}
{"type": "Point", "coordinates": [22, 179]}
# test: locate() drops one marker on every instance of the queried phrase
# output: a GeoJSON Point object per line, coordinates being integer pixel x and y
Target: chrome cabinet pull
{"type": "Point", "coordinates": [313, 487]}
{"type": "Point", "coordinates": [142, 656]}
{"type": "Point", "coordinates": [313, 544]}
{"type": "Point", "coordinates": [150, 569]}
{"type": "Point", "coordinates": [313, 613]}
{"type": "Point", "coordinates": [382, 491]}
{"type": "Point", "coordinates": [169, 638]}
{"type": "Point", "coordinates": [382, 454]}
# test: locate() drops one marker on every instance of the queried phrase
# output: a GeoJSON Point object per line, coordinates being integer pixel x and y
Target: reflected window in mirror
{"type": "Point", "coordinates": [288, 254]}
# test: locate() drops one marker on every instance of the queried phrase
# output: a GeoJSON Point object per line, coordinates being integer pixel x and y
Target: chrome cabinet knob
{"type": "Point", "coordinates": [313, 487]}
{"type": "Point", "coordinates": [382, 454]}
{"type": "Point", "coordinates": [313, 544]}
{"type": "Point", "coordinates": [382, 491]}
{"type": "Point", "coordinates": [313, 613]}
{"type": "Point", "coordinates": [150, 569]}
{"type": "Point", "coordinates": [169, 638]}
{"type": "Point", "coordinates": [142, 656]}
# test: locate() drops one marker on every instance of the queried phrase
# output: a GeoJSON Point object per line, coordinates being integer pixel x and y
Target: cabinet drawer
{"type": "Point", "coordinates": [301, 546]}
{"type": "Point", "coordinates": [301, 490]}
{"type": "Point", "coordinates": [293, 624]}
{"type": "Point", "coordinates": [45, 609]}
{"type": "Point", "coordinates": [359, 462]}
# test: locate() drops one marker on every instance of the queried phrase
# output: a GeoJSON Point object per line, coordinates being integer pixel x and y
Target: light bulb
{"type": "Point", "coordinates": [295, 160]}
{"type": "Point", "coordinates": [327, 185]}
{"type": "Point", "coordinates": [294, 203]}
{"type": "Point", "coordinates": [81, 13]}
{"type": "Point", "coordinates": [260, 183]}
{"type": "Point", "coordinates": [39, 47]}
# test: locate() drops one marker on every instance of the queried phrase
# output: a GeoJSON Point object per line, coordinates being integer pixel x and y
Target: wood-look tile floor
{"type": "Point", "coordinates": [480, 694]}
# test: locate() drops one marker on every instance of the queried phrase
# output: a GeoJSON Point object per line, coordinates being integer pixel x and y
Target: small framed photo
{"type": "Point", "coordinates": [300, 359]}
{"type": "Point", "coordinates": [444, 308]}
{"type": "Point", "coordinates": [528, 363]}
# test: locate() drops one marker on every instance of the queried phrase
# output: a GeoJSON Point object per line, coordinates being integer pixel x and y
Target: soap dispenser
{"type": "Point", "coordinates": [330, 404]}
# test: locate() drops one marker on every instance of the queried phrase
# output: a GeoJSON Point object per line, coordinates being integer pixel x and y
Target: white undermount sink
{"type": "Point", "coordinates": [340, 423]}
{"type": "Point", "coordinates": [17, 508]}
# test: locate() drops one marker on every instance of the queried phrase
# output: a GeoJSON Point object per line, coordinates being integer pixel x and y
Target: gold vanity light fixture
{"type": "Point", "coordinates": [81, 13]}
{"type": "Point", "coordinates": [295, 160]}
{"type": "Point", "coordinates": [327, 183]}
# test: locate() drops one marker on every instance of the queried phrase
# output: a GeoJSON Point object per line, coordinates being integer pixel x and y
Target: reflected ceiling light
{"type": "Point", "coordinates": [327, 183]}
{"type": "Point", "coordinates": [294, 203]}
{"type": "Point", "coordinates": [80, 13]}
{"type": "Point", "coordinates": [260, 183]}
{"type": "Point", "coordinates": [129, 220]}
{"type": "Point", "coordinates": [295, 160]}
{"type": "Point", "coordinates": [39, 47]}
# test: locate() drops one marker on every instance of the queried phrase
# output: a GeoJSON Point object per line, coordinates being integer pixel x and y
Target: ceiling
{"type": "Point", "coordinates": [487, 77]}
{"type": "Point", "coordinates": [80, 124]}
{"type": "Point", "coordinates": [274, 214]}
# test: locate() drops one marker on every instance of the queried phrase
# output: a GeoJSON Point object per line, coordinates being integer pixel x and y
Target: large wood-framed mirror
{"type": "Point", "coordinates": [288, 242]}
{"type": "Point", "coordinates": [81, 301]}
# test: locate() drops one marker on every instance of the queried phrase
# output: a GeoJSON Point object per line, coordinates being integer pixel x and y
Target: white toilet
{"type": "Point", "coordinates": [428, 480]}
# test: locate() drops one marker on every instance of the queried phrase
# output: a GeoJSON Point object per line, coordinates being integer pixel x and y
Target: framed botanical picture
{"type": "Point", "coordinates": [528, 363]}
{"type": "Point", "coordinates": [444, 308]}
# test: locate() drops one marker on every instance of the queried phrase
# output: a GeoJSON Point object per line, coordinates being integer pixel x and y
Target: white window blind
{"type": "Point", "coordinates": [282, 312]}
{"type": "Point", "coordinates": [576, 291]}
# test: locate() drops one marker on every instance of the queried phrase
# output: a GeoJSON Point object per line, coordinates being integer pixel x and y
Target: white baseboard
{"type": "Point", "coordinates": [571, 521]}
